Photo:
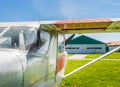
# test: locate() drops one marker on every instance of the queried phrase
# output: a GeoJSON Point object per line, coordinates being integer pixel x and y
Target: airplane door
{"type": "Point", "coordinates": [36, 72]}
{"type": "Point", "coordinates": [51, 55]}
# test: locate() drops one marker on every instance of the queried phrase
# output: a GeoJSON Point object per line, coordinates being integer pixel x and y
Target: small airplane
{"type": "Point", "coordinates": [32, 54]}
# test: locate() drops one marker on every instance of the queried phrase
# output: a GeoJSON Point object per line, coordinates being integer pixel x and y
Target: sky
{"type": "Point", "coordinates": [44, 10]}
{"type": "Point", "coordinates": [35, 10]}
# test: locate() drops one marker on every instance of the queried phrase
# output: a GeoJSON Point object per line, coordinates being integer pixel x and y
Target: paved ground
{"type": "Point", "coordinates": [77, 56]}
{"type": "Point", "coordinates": [82, 57]}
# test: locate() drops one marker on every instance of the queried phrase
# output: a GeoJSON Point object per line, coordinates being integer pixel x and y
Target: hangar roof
{"type": "Point", "coordinates": [114, 43]}
{"type": "Point", "coordinates": [85, 40]}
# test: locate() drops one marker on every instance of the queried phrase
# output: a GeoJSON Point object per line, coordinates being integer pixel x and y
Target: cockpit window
{"type": "Point", "coordinates": [17, 38]}
{"type": "Point", "coordinates": [60, 44]}
{"type": "Point", "coordinates": [5, 42]}
{"type": "Point", "coordinates": [41, 45]}
{"type": "Point", "coordinates": [25, 38]}
{"type": "Point", "coordinates": [44, 42]}
{"type": "Point", "coordinates": [1, 29]}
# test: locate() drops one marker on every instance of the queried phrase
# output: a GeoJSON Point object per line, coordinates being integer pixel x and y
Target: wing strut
{"type": "Point", "coordinates": [69, 39]}
{"type": "Point", "coordinates": [91, 62]}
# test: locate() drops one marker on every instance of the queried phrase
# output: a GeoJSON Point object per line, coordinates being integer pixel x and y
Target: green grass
{"type": "Point", "coordinates": [70, 55]}
{"type": "Point", "coordinates": [115, 55]}
{"type": "Point", "coordinates": [93, 55]}
{"type": "Point", "coordinates": [101, 74]}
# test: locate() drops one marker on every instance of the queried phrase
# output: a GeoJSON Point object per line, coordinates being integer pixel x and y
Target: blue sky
{"type": "Point", "coordinates": [38, 10]}
{"type": "Point", "coordinates": [34, 10]}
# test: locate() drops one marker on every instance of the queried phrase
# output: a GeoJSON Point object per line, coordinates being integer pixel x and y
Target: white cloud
{"type": "Point", "coordinates": [111, 2]}
{"type": "Point", "coordinates": [46, 7]}
{"type": "Point", "coordinates": [83, 9]}
{"type": "Point", "coordinates": [75, 9]}
{"type": "Point", "coordinates": [69, 9]}
{"type": "Point", "coordinates": [40, 6]}
{"type": "Point", "coordinates": [66, 8]}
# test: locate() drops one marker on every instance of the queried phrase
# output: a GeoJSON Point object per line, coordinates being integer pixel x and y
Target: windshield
{"type": "Point", "coordinates": [18, 37]}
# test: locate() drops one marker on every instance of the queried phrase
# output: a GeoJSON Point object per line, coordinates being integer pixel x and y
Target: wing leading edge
{"type": "Point", "coordinates": [89, 26]}
{"type": "Point", "coordinates": [72, 26]}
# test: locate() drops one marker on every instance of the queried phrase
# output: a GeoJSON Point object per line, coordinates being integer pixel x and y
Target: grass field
{"type": "Point", "coordinates": [115, 55]}
{"type": "Point", "coordinates": [70, 55]}
{"type": "Point", "coordinates": [101, 74]}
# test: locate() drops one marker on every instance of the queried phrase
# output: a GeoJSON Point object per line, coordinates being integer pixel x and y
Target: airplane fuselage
{"type": "Point", "coordinates": [31, 58]}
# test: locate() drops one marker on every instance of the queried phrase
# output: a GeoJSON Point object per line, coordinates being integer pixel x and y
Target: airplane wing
{"type": "Point", "coordinates": [89, 26]}
{"type": "Point", "coordinates": [72, 26]}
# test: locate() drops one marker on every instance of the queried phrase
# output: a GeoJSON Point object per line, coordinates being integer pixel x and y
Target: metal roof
{"type": "Point", "coordinates": [114, 43]}
{"type": "Point", "coordinates": [85, 40]}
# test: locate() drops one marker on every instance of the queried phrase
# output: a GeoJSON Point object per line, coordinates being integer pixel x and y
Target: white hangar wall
{"type": "Point", "coordinates": [86, 48]}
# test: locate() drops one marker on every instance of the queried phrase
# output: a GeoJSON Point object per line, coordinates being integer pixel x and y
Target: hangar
{"type": "Point", "coordinates": [113, 44]}
{"type": "Point", "coordinates": [84, 45]}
